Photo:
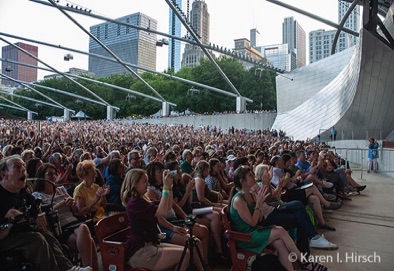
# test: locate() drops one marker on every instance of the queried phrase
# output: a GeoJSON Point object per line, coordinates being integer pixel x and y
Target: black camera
{"type": "Point", "coordinates": [190, 220]}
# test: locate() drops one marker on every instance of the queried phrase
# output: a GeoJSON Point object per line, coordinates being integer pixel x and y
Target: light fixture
{"type": "Point", "coordinates": [162, 42]}
{"type": "Point", "coordinates": [130, 97]}
{"type": "Point", "coordinates": [68, 57]}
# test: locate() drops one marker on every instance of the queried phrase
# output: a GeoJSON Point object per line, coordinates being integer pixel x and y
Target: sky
{"type": "Point", "coordinates": [229, 20]}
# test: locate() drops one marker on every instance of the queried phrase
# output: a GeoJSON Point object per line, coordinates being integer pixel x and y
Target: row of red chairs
{"type": "Point", "coordinates": [111, 233]}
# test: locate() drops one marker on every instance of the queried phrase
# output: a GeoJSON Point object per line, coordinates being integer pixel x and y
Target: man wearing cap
{"type": "Point", "coordinates": [186, 164]}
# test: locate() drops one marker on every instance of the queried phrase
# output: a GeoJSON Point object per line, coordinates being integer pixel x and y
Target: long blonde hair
{"type": "Point", "coordinates": [128, 191]}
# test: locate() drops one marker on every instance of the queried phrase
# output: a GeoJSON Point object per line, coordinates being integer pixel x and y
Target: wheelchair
{"type": "Point", "coordinates": [13, 260]}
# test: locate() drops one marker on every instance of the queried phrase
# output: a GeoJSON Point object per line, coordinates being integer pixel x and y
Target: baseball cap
{"type": "Point", "coordinates": [231, 157]}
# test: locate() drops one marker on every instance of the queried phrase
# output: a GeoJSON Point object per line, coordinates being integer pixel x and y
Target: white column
{"type": "Point", "coordinates": [66, 115]}
{"type": "Point", "coordinates": [241, 104]}
{"type": "Point", "coordinates": [29, 115]}
{"type": "Point", "coordinates": [165, 109]}
{"type": "Point", "coordinates": [110, 112]}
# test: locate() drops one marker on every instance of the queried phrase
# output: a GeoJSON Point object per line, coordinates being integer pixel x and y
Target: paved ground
{"type": "Point", "coordinates": [365, 229]}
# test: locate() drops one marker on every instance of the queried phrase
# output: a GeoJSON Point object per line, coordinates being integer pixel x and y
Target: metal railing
{"type": "Point", "coordinates": [350, 134]}
{"type": "Point", "coordinates": [359, 156]}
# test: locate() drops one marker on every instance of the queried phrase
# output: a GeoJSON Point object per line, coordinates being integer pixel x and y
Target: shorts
{"type": "Point", "coordinates": [169, 233]}
{"type": "Point", "coordinates": [68, 230]}
{"type": "Point", "coordinates": [146, 257]}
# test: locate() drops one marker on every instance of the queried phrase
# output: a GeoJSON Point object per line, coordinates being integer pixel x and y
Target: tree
{"type": "Point", "coordinates": [254, 83]}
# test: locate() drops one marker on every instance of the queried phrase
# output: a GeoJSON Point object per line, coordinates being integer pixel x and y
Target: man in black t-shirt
{"type": "Point", "coordinates": [22, 228]}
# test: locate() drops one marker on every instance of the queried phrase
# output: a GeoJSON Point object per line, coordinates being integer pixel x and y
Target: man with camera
{"type": "Point", "coordinates": [22, 227]}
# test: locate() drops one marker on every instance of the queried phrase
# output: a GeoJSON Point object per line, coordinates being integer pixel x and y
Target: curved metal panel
{"type": "Point", "coordinates": [357, 98]}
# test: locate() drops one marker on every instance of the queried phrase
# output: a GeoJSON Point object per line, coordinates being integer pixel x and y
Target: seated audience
{"type": "Point", "coordinates": [307, 195]}
{"type": "Point", "coordinates": [247, 211]}
{"type": "Point", "coordinates": [37, 245]}
{"type": "Point", "coordinates": [142, 247]}
{"type": "Point", "coordinates": [74, 234]}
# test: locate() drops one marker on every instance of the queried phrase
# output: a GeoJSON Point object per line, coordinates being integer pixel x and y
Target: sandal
{"type": "Point", "coordinates": [313, 266]}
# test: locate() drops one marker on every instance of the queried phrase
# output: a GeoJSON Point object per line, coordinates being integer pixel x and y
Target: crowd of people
{"type": "Point", "coordinates": [187, 112]}
{"type": "Point", "coordinates": [275, 189]}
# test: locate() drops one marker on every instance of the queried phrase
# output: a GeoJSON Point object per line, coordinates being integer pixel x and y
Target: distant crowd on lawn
{"type": "Point", "coordinates": [190, 113]}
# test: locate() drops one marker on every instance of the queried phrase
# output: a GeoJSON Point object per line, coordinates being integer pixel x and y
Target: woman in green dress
{"type": "Point", "coordinates": [247, 210]}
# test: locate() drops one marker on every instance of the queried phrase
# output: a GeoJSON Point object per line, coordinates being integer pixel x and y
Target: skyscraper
{"type": "Point", "coordinates": [19, 72]}
{"type": "Point", "coordinates": [174, 46]}
{"type": "Point", "coordinates": [129, 44]}
{"type": "Point", "coordinates": [321, 41]}
{"type": "Point", "coordinates": [294, 35]}
{"type": "Point", "coordinates": [352, 23]}
{"type": "Point", "coordinates": [199, 20]}
{"type": "Point", "coordinates": [320, 44]}
{"type": "Point", "coordinates": [278, 55]}
{"type": "Point", "coordinates": [254, 33]}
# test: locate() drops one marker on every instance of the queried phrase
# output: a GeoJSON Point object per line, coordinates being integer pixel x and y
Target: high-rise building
{"type": "Point", "coordinates": [353, 23]}
{"type": "Point", "coordinates": [129, 44]}
{"type": "Point", "coordinates": [320, 44]}
{"type": "Point", "coordinates": [254, 33]}
{"type": "Point", "coordinates": [321, 41]}
{"type": "Point", "coordinates": [295, 37]}
{"type": "Point", "coordinates": [244, 48]}
{"type": "Point", "coordinates": [199, 20]}
{"type": "Point", "coordinates": [278, 55]}
{"type": "Point", "coordinates": [174, 46]}
{"type": "Point", "coordinates": [15, 71]}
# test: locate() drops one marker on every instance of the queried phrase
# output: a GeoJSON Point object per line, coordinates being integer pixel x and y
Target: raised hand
{"type": "Point", "coordinates": [261, 195]}
{"type": "Point", "coordinates": [190, 185]}
{"type": "Point", "coordinates": [167, 180]}
{"type": "Point", "coordinates": [103, 191]}
{"type": "Point", "coordinates": [266, 177]}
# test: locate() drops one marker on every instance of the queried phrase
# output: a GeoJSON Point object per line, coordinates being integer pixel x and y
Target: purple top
{"type": "Point", "coordinates": [143, 224]}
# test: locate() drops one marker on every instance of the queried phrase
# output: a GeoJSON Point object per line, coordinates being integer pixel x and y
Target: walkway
{"type": "Point", "coordinates": [365, 228]}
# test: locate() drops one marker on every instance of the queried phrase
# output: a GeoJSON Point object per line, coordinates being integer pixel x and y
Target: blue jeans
{"type": "Point", "coordinates": [292, 215]}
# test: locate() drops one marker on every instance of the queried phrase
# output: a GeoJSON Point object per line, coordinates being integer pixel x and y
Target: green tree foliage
{"type": "Point", "coordinates": [254, 83]}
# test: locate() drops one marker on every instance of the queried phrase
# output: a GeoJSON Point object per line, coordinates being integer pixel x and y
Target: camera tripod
{"type": "Point", "coordinates": [191, 244]}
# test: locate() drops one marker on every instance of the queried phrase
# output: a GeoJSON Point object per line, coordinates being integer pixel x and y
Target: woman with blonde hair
{"type": "Point", "coordinates": [142, 247]}
{"type": "Point", "coordinates": [90, 197]}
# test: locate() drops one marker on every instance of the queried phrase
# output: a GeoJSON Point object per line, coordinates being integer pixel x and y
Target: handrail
{"type": "Point", "coordinates": [361, 155]}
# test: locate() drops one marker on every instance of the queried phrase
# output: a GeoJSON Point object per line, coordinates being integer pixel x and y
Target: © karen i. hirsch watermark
{"type": "Point", "coordinates": [344, 257]}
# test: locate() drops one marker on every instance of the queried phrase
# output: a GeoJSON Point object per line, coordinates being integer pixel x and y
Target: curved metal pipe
{"type": "Point", "coordinates": [343, 21]}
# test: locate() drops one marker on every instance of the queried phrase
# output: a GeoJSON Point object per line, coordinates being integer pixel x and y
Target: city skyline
{"type": "Point", "coordinates": [60, 30]}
